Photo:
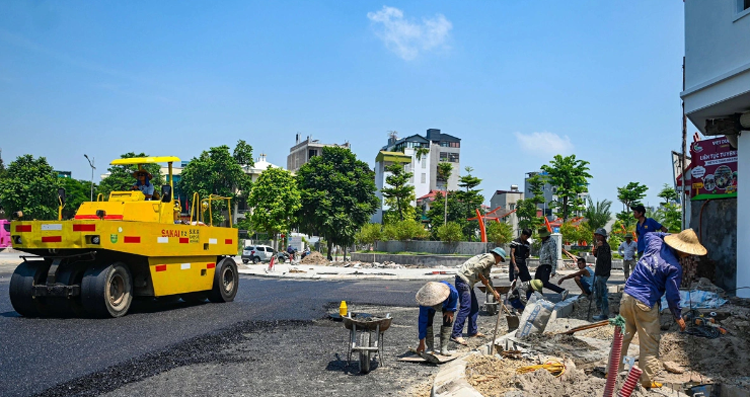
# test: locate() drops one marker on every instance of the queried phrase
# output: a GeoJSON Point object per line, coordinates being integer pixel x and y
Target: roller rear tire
{"type": "Point", "coordinates": [68, 307]}
{"type": "Point", "coordinates": [226, 281]}
{"type": "Point", "coordinates": [26, 275]}
{"type": "Point", "coordinates": [107, 291]}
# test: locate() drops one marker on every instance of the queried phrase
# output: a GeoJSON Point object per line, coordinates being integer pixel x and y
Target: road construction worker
{"type": "Point", "coordinates": [143, 183]}
{"type": "Point", "coordinates": [584, 277]}
{"type": "Point", "coordinates": [522, 290]}
{"type": "Point", "coordinates": [548, 262]}
{"type": "Point", "coordinates": [475, 269]}
{"type": "Point", "coordinates": [657, 271]}
{"type": "Point", "coordinates": [432, 297]}
{"type": "Point", "coordinates": [603, 253]}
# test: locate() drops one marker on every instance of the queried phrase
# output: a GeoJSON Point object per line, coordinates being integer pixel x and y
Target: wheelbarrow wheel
{"type": "Point", "coordinates": [364, 356]}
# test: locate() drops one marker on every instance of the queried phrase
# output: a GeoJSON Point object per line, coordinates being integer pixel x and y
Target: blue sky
{"type": "Point", "coordinates": [517, 81]}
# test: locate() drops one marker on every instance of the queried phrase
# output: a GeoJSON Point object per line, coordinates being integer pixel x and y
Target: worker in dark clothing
{"type": "Point", "coordinates": [548, 263]}
{"type": "Point", "coordinates": [603, 254]}
{"type": "Point", "coordinates": [520, 249]}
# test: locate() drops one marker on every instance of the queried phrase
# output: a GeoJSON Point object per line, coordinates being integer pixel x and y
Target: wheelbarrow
{"type": "Point", "coordinates": [366, 337]}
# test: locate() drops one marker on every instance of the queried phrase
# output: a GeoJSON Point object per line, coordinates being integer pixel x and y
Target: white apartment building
{"type": "Point", "coordinates": [717, 96]}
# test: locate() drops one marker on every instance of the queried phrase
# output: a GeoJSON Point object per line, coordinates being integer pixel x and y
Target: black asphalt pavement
{"type": "Point", "coordinates": [37, 354]}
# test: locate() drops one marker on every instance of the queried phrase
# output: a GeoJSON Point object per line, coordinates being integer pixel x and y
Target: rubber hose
{"type": "Point", "coordinates": [630, 382]}
{"type": "Point", "coordinates": [614, 363]}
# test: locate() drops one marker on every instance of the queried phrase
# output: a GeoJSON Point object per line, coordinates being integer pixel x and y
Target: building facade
{"type": "Point", "coordinates": [507, 200]}
{"type": "Point", "coordinates": [420, 155]}
{"type": "Point", "coordinates": [717, 100]}
{"type": "Point", "coordinates": [303, 151]}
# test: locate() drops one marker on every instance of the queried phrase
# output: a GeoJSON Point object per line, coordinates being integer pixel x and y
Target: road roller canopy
{"type": "Point", "coordinates": [145, 160]}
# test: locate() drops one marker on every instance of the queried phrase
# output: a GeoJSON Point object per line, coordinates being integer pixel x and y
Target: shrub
{"type": "Point", "coordinates": [450, 232]}
{"type": "Point", "coordinates": [369, 234]}
{"type": "Point", "coordinates": [499, 233]}
{"type": "Point", "coordinates": [408, 229]}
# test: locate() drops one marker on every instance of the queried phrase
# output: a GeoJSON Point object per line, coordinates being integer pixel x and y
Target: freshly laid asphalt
{"type": "Point", "coordinates": [62, 357]}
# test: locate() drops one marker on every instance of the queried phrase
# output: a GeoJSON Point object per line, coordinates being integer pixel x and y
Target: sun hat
{"type": "Point", "coordinates": [433, 293]}
{"type": "Point", "coordinates": [628, 235]}
{"type": "Point", "coordinates": [687, 242]}
{"type": "Point", "coordinates": [543, 232]}
{"type": "Point", "coordinates": [501, 252]}
{"type": "Point", "coordinates": [143, 171]}
{"type": "Point", "coordinates": [536, 284]}
{"type": "Point", "coordinates": [600, 231]}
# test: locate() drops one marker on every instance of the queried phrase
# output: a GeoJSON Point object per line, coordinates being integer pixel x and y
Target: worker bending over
{"type": "Point", "coordinates": [475, 269]}
{"type": "Point", "coordinates": [431, 297]}
{"type": "Point", "coordinates": [657, 271]}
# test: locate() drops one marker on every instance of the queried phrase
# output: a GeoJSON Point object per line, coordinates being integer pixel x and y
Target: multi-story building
{"type": "Point", "coordinates": [420, 156]}
{"type": "Point", "coordinates": [507, 200]}
{"type": "Point", "coordinates": [303, 151]}
{"type": "Point", "coordinates": [548, 191]}
{"type": "Point", "coordinates": [717, 100]}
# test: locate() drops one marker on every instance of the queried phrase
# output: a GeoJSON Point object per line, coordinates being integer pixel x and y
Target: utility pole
{"type": "Point", "coordinates": [91, 164]}
{"type": "Point", "coordinates": [684, 150]}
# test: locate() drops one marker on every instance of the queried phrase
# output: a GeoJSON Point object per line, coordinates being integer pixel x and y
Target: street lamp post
{"type": "Point", "coordinates": [91, 164]}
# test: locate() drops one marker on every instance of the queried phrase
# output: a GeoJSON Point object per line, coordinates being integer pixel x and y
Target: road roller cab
{"type": "Point", "coordinates": [122, 247]}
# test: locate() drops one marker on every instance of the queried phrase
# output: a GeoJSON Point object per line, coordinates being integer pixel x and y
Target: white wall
{"type": "Point", "coordinates": [743, 214]}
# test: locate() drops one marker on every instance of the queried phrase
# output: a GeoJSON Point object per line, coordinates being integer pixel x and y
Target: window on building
{"type": "Point", "coordinates": [455, 144]}
{"type": "Point", "coordinates": [312, 153]}
{"type": "Point", "coordinates": [744, 4]}
{"type": "Point", "coordinates": [424, 178]}
{"type": "Point", "coordinates": [512, 206]}
{"type": "Point", "coordinates": [424, 163]}
{"type": "Point", "coordinates": [444, 144]}
{"type": "Point", "coordinates": [453, 157]}
{"type": "Point", "coordinates": [407, 167]}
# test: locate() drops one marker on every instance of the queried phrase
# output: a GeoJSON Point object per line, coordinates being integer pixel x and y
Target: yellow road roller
{"type": "Point", "coordinates": [133, 244]}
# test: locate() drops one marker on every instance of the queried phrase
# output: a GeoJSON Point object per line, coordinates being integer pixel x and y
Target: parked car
{"type": "Point", "coordinates": [257, 253]}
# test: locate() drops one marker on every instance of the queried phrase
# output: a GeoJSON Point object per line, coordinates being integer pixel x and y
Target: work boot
{"type": "Point", "coordinates": [430, 340]}
{"type": "Point", "coordinates": [445, 337]}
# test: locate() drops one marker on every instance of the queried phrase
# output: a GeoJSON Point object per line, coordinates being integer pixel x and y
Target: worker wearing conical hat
{"type": "Point", "coordinates": [431, 297]}
{"type": "Point", "coordinates": [657, 272]}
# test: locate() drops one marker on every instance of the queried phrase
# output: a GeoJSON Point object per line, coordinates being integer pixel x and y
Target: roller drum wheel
{"type": "Point", "coordinates": [226, 281]}
{"type": "Point", "coordinates": [26, 275]}
{"type": "Point", "coordinates": [107, 291]}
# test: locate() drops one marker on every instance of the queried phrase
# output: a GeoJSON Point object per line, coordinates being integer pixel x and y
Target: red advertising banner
{"type": "Point", "coordinates": [713, 169]}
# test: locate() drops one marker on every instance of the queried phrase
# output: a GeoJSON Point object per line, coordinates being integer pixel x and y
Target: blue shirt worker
{"type": "Point", "coordinates": [143, 183]}
{"type": "Point", "coordinates": [475, 269]}
{"type": "Point", "coordinates": [584, 277]}
{"type": "Point", "coordinates": [657, 272]}
{"type": "Point", "coordinates": [431, 297]}
{"type": "Point", "coordinates": [644, 226]}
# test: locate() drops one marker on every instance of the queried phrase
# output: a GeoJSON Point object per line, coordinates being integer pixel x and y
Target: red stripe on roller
{"type": "Point", "coordinates": [52, 239]}
{"type": "Point", "coordinates": [161, 268]}
{"type": "Point", "coordinates": [23, 228]}
{"type": "Point", "coordinates": [210, 266]}
{"type": "Point", "coordinates": [132, 239]}
{"type": "Point", "coordinates": [184, 240]}
{"type": "Point", "coordinates": [84, 228]}
{"type": "Point", "coordinates": [113, 217]}
{"type": "Point", "coordinates": [228, 241]}
{"type": "Point", "coordinates": [86, 217]}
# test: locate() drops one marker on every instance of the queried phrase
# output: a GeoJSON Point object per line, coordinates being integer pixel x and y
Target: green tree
{"type": "Point", "coordinates": [338, 196]}
{"type": "Point", "coordinates": [670, 216]}
{"type": "Point", "coordinates": [121, 178]}
{"type": "Point", "coordinates": [499, 232]}
{"type": "Point", "coordinates": [421, 152]}
{"type": "Point", "coordinates": [399, 194]}
{"type": "Point", "coordinates": [30, 186]}
{"type": "Point", "coordinates": [405, 230]}
{"type": "Point", "coordinates": [76, 193]}
{"type": "Point", "coordinates": [449, 232]}
{"type": "Point", "coordinates": [275, 200]}
{"type": "Point", "coordinates": [630, 195]}
{"type": "Point", "coordinates": [573, 234]}
{"type": "Point", "coordinates": [217, 171]}
{"type": "Point", "coordinates": [444, 172]}
{"type": "Point", "coordinates": [243, 154]}
{"type": "Point", "coordinates": [470, 200]}
{"type": "Point", "coordinates": [598, 214]}
{"type": "Point", "coordinates": [570, 176]}
{"type": "Point", "coordinates": [369, 234]}
{"type": "Point", "coordinates": [437, 211]}
{"type": "Point", "coordinates": [669, 194]}
{"type": "Point", "coordinates": [526, 211]}
{"type": "Point", "coordinates": [536, 185]}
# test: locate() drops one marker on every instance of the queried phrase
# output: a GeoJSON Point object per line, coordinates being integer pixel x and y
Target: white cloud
{"type": "Point", "coordinates": [544, 144]}
{"type": "Point", "coordinates": [407, 38]}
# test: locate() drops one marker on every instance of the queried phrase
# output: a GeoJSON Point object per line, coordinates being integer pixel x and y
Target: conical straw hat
{"type": "Point", "coordinates": [687, 242]}
{"type": "Point", "coordinates": [433, 293]}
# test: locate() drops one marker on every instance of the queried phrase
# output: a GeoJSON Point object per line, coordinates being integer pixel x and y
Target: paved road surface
{"type": "Point", "coordinates": [37, 354]}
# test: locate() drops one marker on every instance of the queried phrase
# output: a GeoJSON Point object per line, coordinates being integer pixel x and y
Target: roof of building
{"type": "Point", "coordinates": [508, 192]}
{"type": "Point", "coordinates": [431, 195]}
{"type": "Point", "coordinates": [260, 165]}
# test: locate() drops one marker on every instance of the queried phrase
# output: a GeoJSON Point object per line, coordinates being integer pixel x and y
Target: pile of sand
{"type": "Point", "coordinates": [315, 258]}
{"type": "Point", "coordinates": [492, 376]}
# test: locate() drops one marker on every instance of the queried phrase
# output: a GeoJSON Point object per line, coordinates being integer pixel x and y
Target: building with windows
{"type": "Point", "coordinates": [303, 151]}
{"type": "Point", "coordinates": [420, 155]}
{"type": "Point", "coordinates": [507, 200]}
{"type": "Point", "coordinates": [716, 98]}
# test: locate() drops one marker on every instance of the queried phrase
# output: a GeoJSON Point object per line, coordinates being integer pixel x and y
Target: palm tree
{"type": "Point", "coordinates": [598, 214]}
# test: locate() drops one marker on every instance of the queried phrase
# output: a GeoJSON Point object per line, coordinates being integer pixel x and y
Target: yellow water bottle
{"type": "Point", "coordinates": [342, 309]}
